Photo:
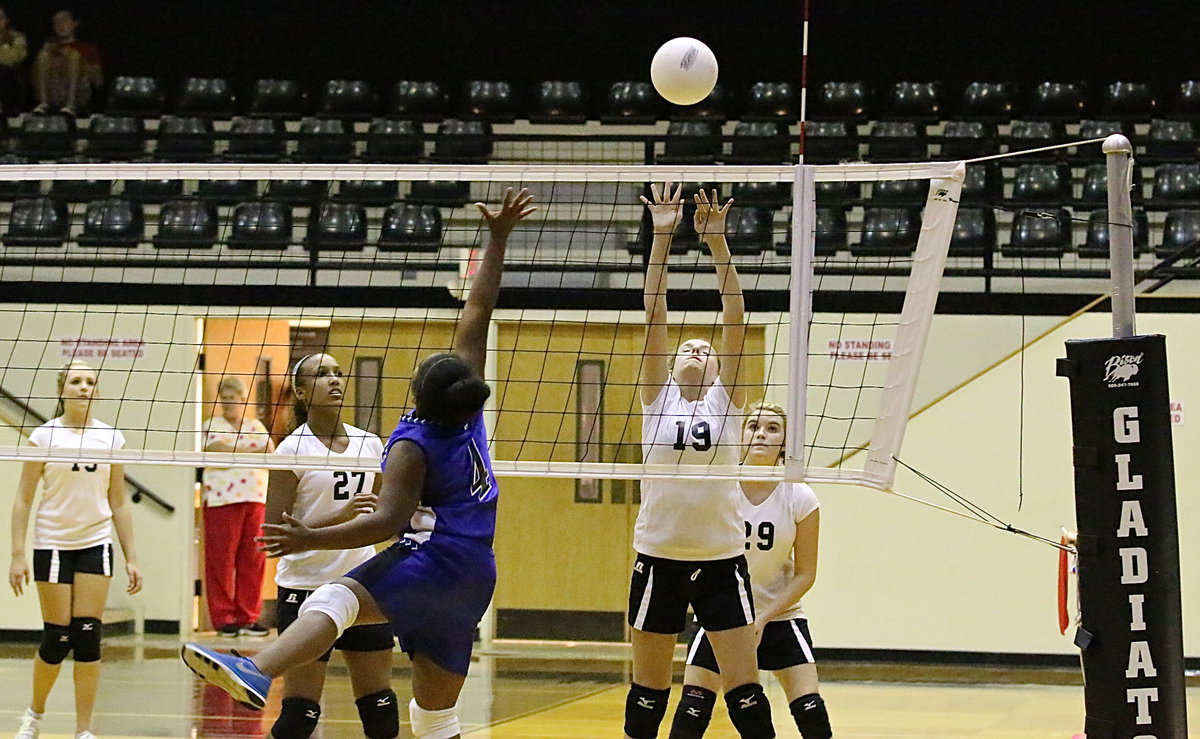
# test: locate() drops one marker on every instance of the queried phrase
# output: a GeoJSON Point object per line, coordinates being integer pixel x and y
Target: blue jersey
{"type": "Point", "coordinates": [459, 497]}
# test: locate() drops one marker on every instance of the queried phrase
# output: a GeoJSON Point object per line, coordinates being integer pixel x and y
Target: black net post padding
{"type": "Point", "coordinates": [1131, 626]}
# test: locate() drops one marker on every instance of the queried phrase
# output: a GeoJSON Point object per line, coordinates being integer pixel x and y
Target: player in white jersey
{"type": "Point", "coordinates": [82, 502]}
{"type": "Point", "coordinates": [324, 498]}
{"type": "Point", "coordinates": [782, 527]}
{"type": "Point", "coordinates": [688, 537]}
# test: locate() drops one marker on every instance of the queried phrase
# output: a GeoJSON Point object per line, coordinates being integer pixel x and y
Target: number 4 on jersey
{"type": "Point", "coordinates": [481, 482]}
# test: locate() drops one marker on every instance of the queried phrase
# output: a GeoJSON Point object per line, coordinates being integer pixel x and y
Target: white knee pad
{"type": "Point", "coordinates": [433, 724]}
{"type": "Point", "coordinates": [336, 601]}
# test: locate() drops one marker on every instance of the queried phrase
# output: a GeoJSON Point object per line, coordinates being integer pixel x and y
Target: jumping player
{"type": "Point", "coordinates": [688, 536]}
{"type": "Point", "coordinates": [439, 494]}
{"type": "Point", "coordinates": [782, 526]}
{"type": "Point", "coordinates": [325, 498]}
{"type": "Point", "coordinates": [82, 502]}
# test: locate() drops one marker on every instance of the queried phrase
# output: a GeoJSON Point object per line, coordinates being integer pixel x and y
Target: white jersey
{"type": "Point", "coordinates": [322, 492]}
{"type": "Point", "coordinates": [690, 519]}
{"type": "Point", "coordinates": [74, 511]}
{"type": "Point", "coordinates": [770, 533]}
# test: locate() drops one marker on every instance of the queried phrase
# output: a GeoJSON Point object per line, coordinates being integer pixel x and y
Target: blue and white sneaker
{"type": "Point", "coordinates": [232, 673]}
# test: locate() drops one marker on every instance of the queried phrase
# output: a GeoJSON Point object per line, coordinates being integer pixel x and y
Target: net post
{"type": "Point", "coordinates": [1119, 156]}
{"type": "Point", "coordinates": [804, 217]}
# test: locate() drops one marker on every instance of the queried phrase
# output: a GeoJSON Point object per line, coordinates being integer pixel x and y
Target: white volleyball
{"type": "Point", "coordinates": [684, 70]}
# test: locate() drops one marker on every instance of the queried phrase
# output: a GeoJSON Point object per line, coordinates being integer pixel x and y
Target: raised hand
{"type": "Point", "coordinates": [667, 209]}
{"type": "Point", "coordinates": [515, 207]}
{"type": "Point", "coordinates": [710, 218]}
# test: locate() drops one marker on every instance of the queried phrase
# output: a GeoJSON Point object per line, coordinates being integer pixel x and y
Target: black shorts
{"type": "Point", "coordinates": [784, 644]}
{"type": "Point", "coordinates": [60, 565]}
{"type": "Point", "coordinates": [368, 638]}
{"type": "Point", "coordinates": [717, 590]}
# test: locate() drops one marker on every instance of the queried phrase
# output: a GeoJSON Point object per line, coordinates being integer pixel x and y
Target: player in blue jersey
{"type": "Point", "coordinates": [439, 494]}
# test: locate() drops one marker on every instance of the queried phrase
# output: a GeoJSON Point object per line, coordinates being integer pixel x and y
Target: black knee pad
{"type": "Point", "coordinates": [85, 639]}
{"type": "Point", "coordinates": [693, 713]}
{"type": "Point", "coordinates": [644, 711]}
{"type": "Point", "coordinates": [379, 714]}
{"type": "Point", "coordinates": [56, 643]}
{"type": "Point", "coordinates": [811, 717]}
{"type": "Point", "coordinates": [298, 719]}
{"type": "Point", "coordinates": [750, 712]}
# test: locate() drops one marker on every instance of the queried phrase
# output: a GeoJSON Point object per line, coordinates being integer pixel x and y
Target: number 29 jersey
{"type": "Point", "coordinates": [320, 492]}
{"type": "Point", "coordinates": [690, 519]}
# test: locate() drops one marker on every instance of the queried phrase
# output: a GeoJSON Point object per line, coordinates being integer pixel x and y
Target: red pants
{"type": "Point", "coordinates": [233, 566]}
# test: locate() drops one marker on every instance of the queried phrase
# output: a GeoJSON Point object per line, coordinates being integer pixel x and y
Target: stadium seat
{"type": "Point", "coordinates": [895, 141]}
{"type": "Point", "coordinates": [1033, 135]}
{"type": "Point", "coordinates": [715, 107]}
{"type": "Point", "coordinates": [46, 137]}
{"type": "Point", "coordinates": [1041, 185]}
{"type": "Point", "coordinates": [691, 142]}
{"type": "Point", "coordinates": [337, 225]}
{"type": "Point", "coordinates": [830, 142]}
{"type": "Point", "coordinates": [1094, 129]}
{"type": "Point", "coordinates": [993, 102]}
{"type": "Point", "coordinates": [226, 192]}
{"type": "Point", "coordinates": [842, 101]}
{"type": "Point", "coordinates": [112, 222]}
{"type": "Point", "coordinates": [1185, 102]}
{"type": "Point", "coordinates": [888, 232]}
{"type": "Point", "coordinates": [80, 191]}
{"type": "Point", "coordinates": [1039, 234]}
{"type": "Point", "coordinates": [443, 193]}
{"type": "Point", "coordinates": [557, 101]}
{"type": "Point", "coordinates": [759, 142]}
{"type": "Point", "coordinates": [631, 102]}
{"type": "Point", "coordinates": [749, 230]}
{"type": "Point", "coordinates": [137, 96]}
{"type": "Point", "coordinates": [974, 232]}
{"type": "Point", "coordinates": [418, 101]}
{"type": "Point", "coordinates": [276, 99]}
{"type": "Point", "coordinates": [394, 141]}
{"type": "Point", "coordinates": [920, 102]}
{"type": "Point", "coordinates": [463, 142]}
{"type": "Point", "coordinates": [348, 99]}
{"type": "Point", "coordinates": [187, 224]}
{"type": "Point", "coordinates": [368, 192]}
{"type": "Point", "coordinates": [969, 139]}
{"type": "Point", "coordinates": [1128, 101]}
{"type": "Point", "coordinates": [116, 137]}
{"type": "Point", "coordinates": [1175, 186]}
{"type": "Point", "coordinates": [495, 102]}
{"type": "Point", "coordinates": [982, 185]}
{"type": "Point", "coordinates": [261, 224]}
{"type": "Point", "coordinates": [210, 97]}
{"type": "Point", "coordinates": [831, 231]}
{"type": "Point", "coordinates": [411, 227]}
{"type": "Point", "coordinates": [182, 138]}
{"type": "Point", "coordinates": [153, 191]}
{"type": "Point", "coordinates": [1096, 243]}
{"type": "Point", "coordinates": [899, 192]}
{"type": "Point", "coordinates": [1093, 192]}
{"type": "Point", "coordinates": [1181, 231]}
{"type": "Point", "coordinates": [1172, 141]}
{"type": "Point", "coordinates": [846, 192]}
{"type": "Point", "coordinates": [39, 221]}
{"type": "Point", "coordinates": [15, 189]}
{"type": "Point", "coordinates": [1057, 101]}
{"type": "Point", "coordinates": [771, 101]}
{"type": "Point", "coordinates": [324, 140]}
{"type": "Point", "coordinates": [762, 194]}
{"type": "Point", "coordinates": [296, 192]}
{"type": "Point", "coordinates": [255, 140]}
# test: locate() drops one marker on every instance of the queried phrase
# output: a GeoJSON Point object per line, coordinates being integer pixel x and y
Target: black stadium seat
{"type": "Point", "coordinates": [1128, 101]}
{"type": "Point", "coordinates": [1039, 234]}
{"type": "Point", "coordinates": [411, 227]}
{"type": "Point", "coordinates": [899, 192]}
{"type": "Point", "coordinates": [15, 189]}
{"type": "Point", "coordinates": [41, 221]}
{"type": "Point", "coordinates": [440, 192]}
{"type": "Point", "coordinates": [261, 224]}
{"type": "Point", "coordinates": [749, 230]}
{"type": "Point", "coordinates": [982, 184]}
{"type": "Point", "coordinates": [1172, 141]}
{"type": "Point", "coordinates": [46, 137]}
{"type": "Point", "coordinates": [255, 140]}
{"type": "Point", "coordinates": [895, 141]}
{"type": "Point", "coordinates": [116, 137]}
{"type": "Point", "coordinates": [830, 142]}
{"type": "Point", "coordinates": [1042, 185]}
{"type": "Point", "coordinates": [1057, 101]}
{"type": "Point", "coordinates": [1096, 243]}
{"type": "Point", "coordinates": [1185, 102]}
{"type": "Point", "coordinates": [914, 101]}
{"type": "Point", "coordinates": [463, 142]}
{"type": "Point", "coordinates": [763, 194]}
{"type": "Point", "coordinates": [153, 191]}
{"type": "Point", "coordinates": [493, 101]}
{"type": "Point", "coordinates": [112, 222]}
{"type": "Point", "coordinates": [394, 141]}
{"type": "Point", "coordinates": [186, 223]}
{"type": "Point", "coordinates": [993, 102]}
{"type": "Point", "coordinates": [348, 99]}
{"type": "Point", "coordinates": [137, 96]}
{"type": "Point", "coordinates": [759, 142]}
{"type": "Point", "coordinates": [770, 101]}
{"type": "Point", "coordinates": [831, 231]}
{"type": "Point", "coordinates": [556, 101]}
{"type": "Point", "coordinates": [631, 102]}
{"type": "Point", "coordinates": [1181, 231]}
{"type": "Point", "coordinates": [210, 97]}
{"type": "Point", "coordinates": [226, 192]}
{"type": "Point", "coordinates": [842, 101]}
{"type": "Point", "coordinates": [1027, 135]}
{"type": "Point", "coordinates": [969, 139]}
{"type": "Point", "coordinates": [80, 191]}
{"type": "Point", "coordinates": [337, 225]}
{"type": "Point", "coordinates": [974, 232]}
{"type": "Point", "coordinates": [184, 138]}
{"type": "Point", "coordinates": [324, 140]}
{"type": "Point", "coordinates": [888, 232]}
{"type": "Point", "coordinates": [273, 98]}
{"type": "Point", "coordinates": [1175, 186]}
{"type": "Point", "coordinates": [369, 192]}
{"type": "Point", "coordinates": [1093, 192]}
{"type": "Point", "coordinates": [714, 107]}
{"type": "Point", "coordinates": [691, 142]}
{"type": "Point", "coordinates": [418, 101]}
{"type": "Point", "coordinates": [296, 192]}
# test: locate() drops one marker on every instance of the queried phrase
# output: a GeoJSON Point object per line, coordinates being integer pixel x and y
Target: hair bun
{"type": "Point", "coordinates": [467, 395]}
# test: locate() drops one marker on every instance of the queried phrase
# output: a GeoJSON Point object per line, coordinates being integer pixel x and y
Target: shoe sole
{"type": "Point", "coordinates": [214, 672]}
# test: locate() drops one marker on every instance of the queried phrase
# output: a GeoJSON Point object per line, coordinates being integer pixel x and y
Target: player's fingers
{"type": "Point", "coordinates": [654, 192]}
{"type": "Point", "coordinates": [528, 210]}
{"type": "Point", "coordinates": [728, 203]}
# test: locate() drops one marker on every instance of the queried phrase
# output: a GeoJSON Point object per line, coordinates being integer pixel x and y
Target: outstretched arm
{"type": "Point", "coordinates": [665, 213]}
{"type": "Point", "coordinates": [470, 339]}
{"type": "Point", "coordinates": [710, 224]}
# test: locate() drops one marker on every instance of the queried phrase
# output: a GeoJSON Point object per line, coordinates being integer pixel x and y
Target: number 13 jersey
{"type": "Point", "coordinates": [690, 519]}
{"type": "Point", "coordinates": [319, 493]}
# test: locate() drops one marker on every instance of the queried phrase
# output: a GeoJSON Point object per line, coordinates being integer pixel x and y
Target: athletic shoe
{"type": "Point", "coordinates": [85, 735]}
{"type": "Point", "coordinates": [254, 629]}
{"type": "Point", "coordinates": [31, 726]}
{"type": "Point", "coordinates": [229, 631]}
{"type": "Point", "coordinates": [232, 673]}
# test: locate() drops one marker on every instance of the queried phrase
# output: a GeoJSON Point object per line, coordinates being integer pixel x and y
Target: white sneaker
{"type": "Point", "coordinates": [85, 735]}
{"type": "Point", "coordinates": [31, 726]}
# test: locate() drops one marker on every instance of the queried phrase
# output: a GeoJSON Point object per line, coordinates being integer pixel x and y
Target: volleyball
{"type": "Point", "coordinates": [684, 70]}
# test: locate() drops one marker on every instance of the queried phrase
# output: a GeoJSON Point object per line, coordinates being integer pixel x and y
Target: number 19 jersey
{"type": "Point", "coordinates": [689, 519]}
{"type": "Point", "coordinates": [320, 492]}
